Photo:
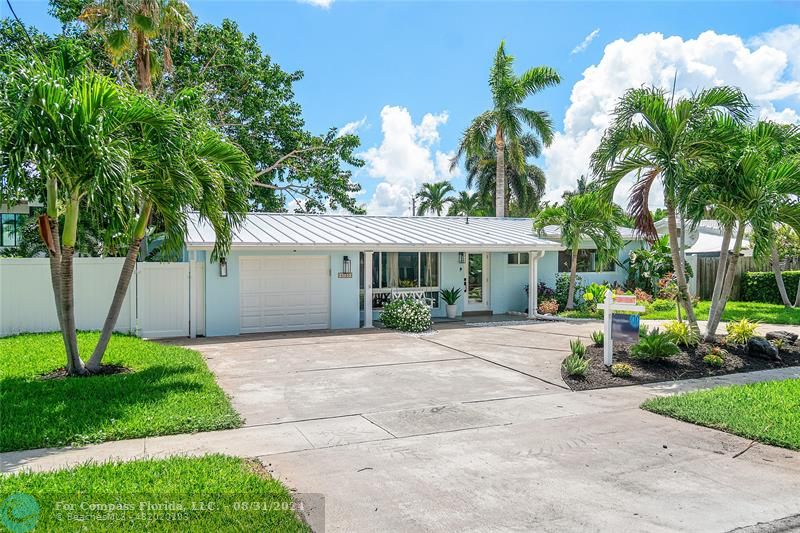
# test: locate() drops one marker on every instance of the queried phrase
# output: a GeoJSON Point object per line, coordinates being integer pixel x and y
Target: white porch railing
{"type": "Point", "coordinates": [429, 295]}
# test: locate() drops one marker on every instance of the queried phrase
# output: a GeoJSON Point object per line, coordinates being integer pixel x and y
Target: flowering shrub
{"type": "Point", "coordinates": [621, 370]}
{"type": "Point", "coordinates": [548, 307]}
{"type": "Point", "coordinates": [406, 314]}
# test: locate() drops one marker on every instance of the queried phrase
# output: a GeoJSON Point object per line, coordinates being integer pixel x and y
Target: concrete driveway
{"type": "Point", "coordinates": [473, 429]}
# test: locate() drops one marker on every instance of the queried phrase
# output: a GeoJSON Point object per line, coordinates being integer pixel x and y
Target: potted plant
{"type": "Point", "coordinates": [450, 297]}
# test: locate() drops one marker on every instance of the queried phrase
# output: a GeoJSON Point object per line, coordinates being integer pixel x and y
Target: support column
{"type": "Point", "coordinates": [533, 283]}
{"type": "Point", "coordinates": [367, 289]}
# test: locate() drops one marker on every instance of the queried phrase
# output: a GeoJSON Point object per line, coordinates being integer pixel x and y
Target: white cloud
{"type": "Point", "coordinates": [406, 158]}
{"type": "Point", "coordinates": [585, 42]}
{"type": "Point", "coordinates": [351, 127]}
{"type": "Point", "coordinates": [763, 68]}
{"type": "Point", "coordinates": [324, 4]}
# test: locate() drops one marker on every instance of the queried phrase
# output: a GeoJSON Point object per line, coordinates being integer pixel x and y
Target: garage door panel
{"type": "Point", "coordinates": [284, 293]}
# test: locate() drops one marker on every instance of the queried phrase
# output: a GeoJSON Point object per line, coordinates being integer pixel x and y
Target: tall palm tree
{"type": "Point", "coordinates": [466, 204]}
{"type": "Point", "coordinates": [141, 28]}
{"type": "Point", "coordinates": [76, 128]}
{"type": "Point", "coordinates": [584, 217]}
{"type": "Point", "coordinates": [656, 137]}
{"type": "Point", "coordinates": [507, 118]}
{"type": "Point", "coordinates": [433, 197]}
{"type": "Point", "coordinates": [526, 183]}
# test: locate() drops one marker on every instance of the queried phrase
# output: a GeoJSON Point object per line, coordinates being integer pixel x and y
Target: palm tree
{"type": "Point", "coordinates": [754, 181]}
{"type": "Point", "coordinates": [206, 174]}
{"type": "Point", "coordinates": [656, 137]}
{"type": "Point", "coordinates": [136, 27]}
{"type": "Point", "coordinates": [582, 217]}
{"type": "Point", "coordinates": [466, 204]}
{"type": "Point", "coordinates": [433, 197]}
{"type": "Point", "coordinates": [76, 128]}
{"type": "Point", "coordinates": [505, 121]}
{"type": "Point", "coordinates": [526, 183]}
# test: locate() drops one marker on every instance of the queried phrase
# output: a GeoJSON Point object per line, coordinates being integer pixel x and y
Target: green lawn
{"type": "Point", "coordinates": [763, 312]}
{"type": "Point", "coordinates": [768, 412]}
{"type": "Point", "coordinates": [209, 490]}
{"type": "Point", "coordinates": [169, 391]}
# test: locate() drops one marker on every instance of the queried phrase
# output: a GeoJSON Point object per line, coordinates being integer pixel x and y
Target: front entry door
{"type": "Point", "coordinates": [476, 282]}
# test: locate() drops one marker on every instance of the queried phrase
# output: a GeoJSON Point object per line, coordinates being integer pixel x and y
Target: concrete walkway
{"type": "Point", "coordinates": [471, 429]}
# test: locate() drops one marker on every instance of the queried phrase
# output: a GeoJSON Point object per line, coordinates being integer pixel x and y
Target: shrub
{"type": "Point", "coordinates": [741, 331]}
{"type": "Point", "coordinates": [681, 334]}
{"type": "Point", "coordinates": [597, 292]}
{"type": "Point", "coordinates": [642, 296]}
{"type": "Point", "coordinates": [576, 347]}
{"type": "Point", "coordinates": [662, 305]}
{"type": "Point", "coordinates": [654, 346]}
{"type": "Point", "coordinates": [548, 307]}
{"type": "Point", "coordinates": [779, 344]}
{"type": "Point", "coordinates": [713, 360]}
{"type": "Point", "coordinates": [406, 314]}
{"type": "Point", "coordinates": [762, 287]}
{"type": "Point", "coordinates": [621, 370]}
{"type": "Point", "coordinates": [544, 292]}
{"type": "Point", "coordinates": [575, 365]}
{"type": "Point", "coordinates": [562, 288]}
{"type": "Point", "coordinates": [719, 352]}
{"type": "Point", "coordinates": [598, 337]}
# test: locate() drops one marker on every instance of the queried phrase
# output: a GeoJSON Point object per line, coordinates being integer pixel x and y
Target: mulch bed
{"type": "Point", "coordinates": [105, 370]}
{"type": "Point", "coordinates": [688, 364]}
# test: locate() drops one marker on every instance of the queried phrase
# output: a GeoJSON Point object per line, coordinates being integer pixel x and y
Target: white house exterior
{"type": "Point", "coordinates": [297, 272]}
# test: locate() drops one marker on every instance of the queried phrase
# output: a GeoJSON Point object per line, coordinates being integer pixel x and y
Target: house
{"type": "Point", "coordinates": [297, 272]}
{"type": "Point", "coordinates": [12, 218]}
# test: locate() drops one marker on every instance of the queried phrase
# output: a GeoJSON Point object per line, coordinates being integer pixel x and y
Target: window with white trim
{"type": "Point", "coordinates": [519, 258]}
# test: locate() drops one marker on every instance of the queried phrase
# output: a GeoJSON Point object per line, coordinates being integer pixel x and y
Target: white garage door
{"type": "Point", "coordinates": [284, 293]}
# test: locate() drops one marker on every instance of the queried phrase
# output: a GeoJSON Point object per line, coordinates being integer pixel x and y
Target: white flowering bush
{"type": "Point", "coordinates": [407, 314]}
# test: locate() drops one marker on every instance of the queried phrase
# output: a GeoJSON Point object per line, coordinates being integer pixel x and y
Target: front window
{"type": "Point", "coordinates": [587, 262]}
{"type": "Point", "coordinates": [405, 270]}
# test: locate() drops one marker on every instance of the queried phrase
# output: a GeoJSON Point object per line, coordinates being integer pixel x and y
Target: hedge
{"type": "Point", "coordinates": [761, 286]}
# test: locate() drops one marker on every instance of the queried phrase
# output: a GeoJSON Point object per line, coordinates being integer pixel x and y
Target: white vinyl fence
{"type": "Point", "coordinates": [157, 303]}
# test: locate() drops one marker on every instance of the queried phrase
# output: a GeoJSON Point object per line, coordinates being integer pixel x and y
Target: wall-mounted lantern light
{"type": "Point", "coordinates": [461, 258]}
{"type": "Point", "coordinates": [223, 268]}
{"type": "Point", "coordinates": [346, 265]}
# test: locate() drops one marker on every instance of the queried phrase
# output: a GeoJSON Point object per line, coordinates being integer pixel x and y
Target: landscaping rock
{"type": "Point", "coordinates": [761, 348]}
{"type": "Point", "coordinates": [786, 336]}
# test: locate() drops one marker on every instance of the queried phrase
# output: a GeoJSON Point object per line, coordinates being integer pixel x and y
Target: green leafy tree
{"type": "Point", "coordinates": [526, 182]}
{"type": "Point", "coordinates": [583, 217]}
{"type": "Point", "coordinates": [657, 138]}
{"type": "Point", "coordinates": [433, 197]}
{"type": "Point", "coordinates": [507, 118]}
{"type": "Point", "coordinates": [251, 100]}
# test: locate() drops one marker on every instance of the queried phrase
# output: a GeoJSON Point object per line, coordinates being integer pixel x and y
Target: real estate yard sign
{"type": "Point", "coordinates": [627, 327]}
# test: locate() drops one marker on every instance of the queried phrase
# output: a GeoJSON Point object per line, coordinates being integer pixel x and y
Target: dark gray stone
{"type": "Point", "coordinates": [787, 336]}
{"type": "Point", "coordinates": [761, 348]}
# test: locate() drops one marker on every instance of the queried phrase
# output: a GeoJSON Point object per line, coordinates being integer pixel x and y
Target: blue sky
{"type": "Point", "coordinates": [409, 76]}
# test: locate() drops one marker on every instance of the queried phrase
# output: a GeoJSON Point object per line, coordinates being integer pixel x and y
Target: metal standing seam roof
{"type": "Point", "coordinates": [364, 232]}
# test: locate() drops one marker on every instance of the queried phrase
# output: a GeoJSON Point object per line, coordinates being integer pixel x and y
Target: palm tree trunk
{"type": "Point", "coordinates": [720, 279]}
{"type": "Point", "coordinates": [573, 272]}
{"type": "Point", "coordinates": [680, 272]}
{"type": "Point", "coordinates": [74, 363]}
{"type": "Point", "coordinates": [776, 269]}
{"type": "Point", "coordinates": [123, 283]}
{"type": "Point", "coordinates": [797, 296]}
{"type": "Point", "coordinates": [500, 177]}
{"type": "Point", "coordinates": [714, 320]}
{"type": "Point", "coordinates": [142, 61]}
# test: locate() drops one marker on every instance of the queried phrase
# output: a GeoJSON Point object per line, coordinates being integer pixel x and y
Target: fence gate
{"type": "Point", "coordinates": [162, 299]}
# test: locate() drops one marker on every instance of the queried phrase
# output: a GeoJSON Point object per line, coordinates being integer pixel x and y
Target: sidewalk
{"type": "Point", "coordinates": [271, 439]}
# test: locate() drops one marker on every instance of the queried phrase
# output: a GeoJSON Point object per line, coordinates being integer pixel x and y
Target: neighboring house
{"type": "Point", "coordinates": [296, 272]}
{"type": "Point", "coordinates": [12, 217]}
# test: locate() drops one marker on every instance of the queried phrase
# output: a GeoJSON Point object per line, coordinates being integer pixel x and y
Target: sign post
{"type": "Point", "coordinates": [609, 305]}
